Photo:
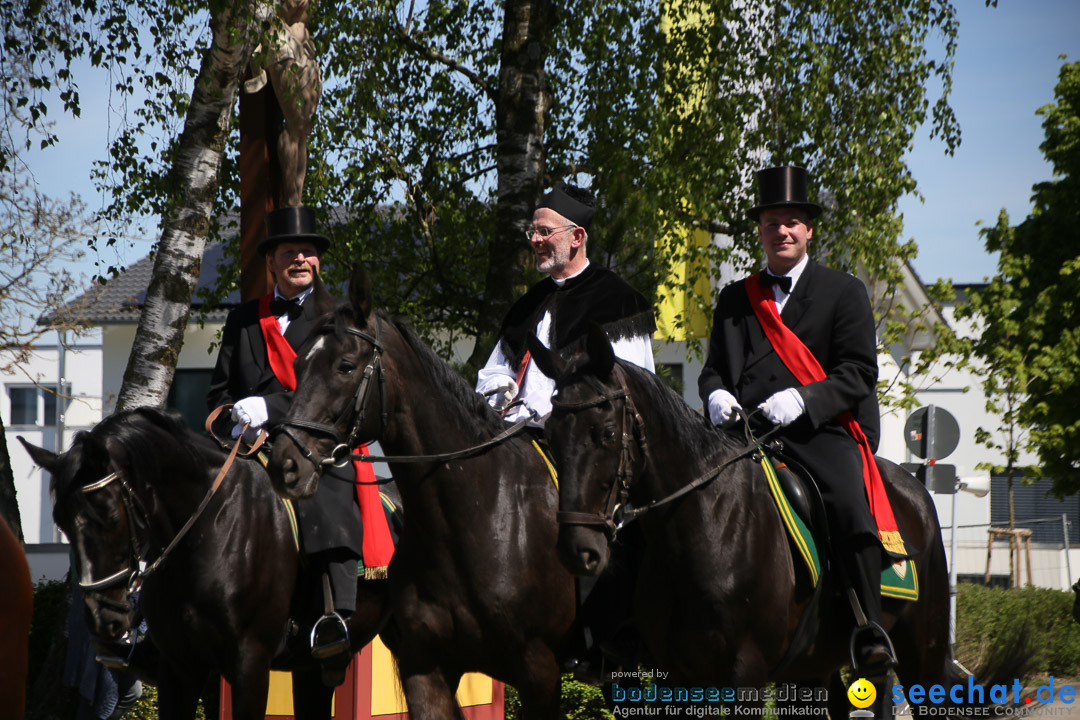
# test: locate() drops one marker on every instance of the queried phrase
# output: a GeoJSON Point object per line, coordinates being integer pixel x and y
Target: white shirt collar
{"type": "Point", "coordinates": [299, 299]}
{"type": "Point", "coordinates": [562, 281]}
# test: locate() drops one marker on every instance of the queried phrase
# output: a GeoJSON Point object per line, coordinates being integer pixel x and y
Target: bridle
{"type": "Point", "coordinates": [617, 511]}
{"type": "Point", "coordinates": [611, 518]}
{"type": "Point", "coordinates": [137, 517]}
{"type": "Point", "coordinates": [342, 452]}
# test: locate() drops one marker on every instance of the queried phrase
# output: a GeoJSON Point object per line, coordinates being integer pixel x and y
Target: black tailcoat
{"type": "Point", "coordinates": [830, 312]}
{"type": "Point", "coordinates": [331, 519]}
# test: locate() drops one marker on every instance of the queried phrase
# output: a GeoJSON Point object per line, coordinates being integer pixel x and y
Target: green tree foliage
{"type": "Point", "coordinates": [1030, 314]}
{"type": "Point", "coordinates": [664, 108]}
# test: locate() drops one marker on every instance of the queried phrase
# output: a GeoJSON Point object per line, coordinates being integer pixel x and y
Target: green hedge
{"type": "Point", "coordinates": [987, 617]}
{"type": "Point", "coordinates": [50, 609]}
{"type": "Point", "coordinates": [580, 701]}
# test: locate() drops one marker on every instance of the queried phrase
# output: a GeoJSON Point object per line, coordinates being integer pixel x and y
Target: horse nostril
{"type": "Point", "coordinates": [289, 471]}
{"type": "Point", "coordinates": [589, 559]}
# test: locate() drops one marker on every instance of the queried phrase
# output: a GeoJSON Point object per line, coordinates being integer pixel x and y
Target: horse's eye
{"type": "Point", "coordinates": [346, 368]}
{"type": "Point", "coordinates": [608, 434]}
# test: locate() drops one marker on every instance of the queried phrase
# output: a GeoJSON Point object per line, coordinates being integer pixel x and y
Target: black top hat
{"type": "Point", "coordinates": [292, 224]}
{"type": "Point", "coordinates": [782, 187]}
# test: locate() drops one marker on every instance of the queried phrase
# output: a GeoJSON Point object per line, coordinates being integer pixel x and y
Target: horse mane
{"type": "Point", "coordinates": [460, 393]}
{"type": "Point", "coordinates": [154, 439]}
{"type": "Point", "coordinates": [700, 436]}
{"type": "Point", "coordinates": [462, 397]}
{"type": "Point", "coordinates": [154, 443]}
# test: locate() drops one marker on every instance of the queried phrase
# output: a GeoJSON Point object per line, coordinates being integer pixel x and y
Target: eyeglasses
{"type": "Point", "coordinates": [546, 232]}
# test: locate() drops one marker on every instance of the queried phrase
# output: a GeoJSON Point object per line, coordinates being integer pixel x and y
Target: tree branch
{"type": "Point", "coordinates": [424, 51]}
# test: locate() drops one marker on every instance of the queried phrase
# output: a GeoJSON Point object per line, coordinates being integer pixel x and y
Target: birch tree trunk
{"type": "Point", "coordinates": [194, 181]}
{"type": "Point", "coordinates": [523, 98]}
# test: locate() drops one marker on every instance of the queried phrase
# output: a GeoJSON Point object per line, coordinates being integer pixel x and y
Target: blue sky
{"type": "Point", "coordinates": [1007, 64]}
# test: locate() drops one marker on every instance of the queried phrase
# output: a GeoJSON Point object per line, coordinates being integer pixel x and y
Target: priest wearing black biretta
{"type": "Point", "coordinates": [560, 307]}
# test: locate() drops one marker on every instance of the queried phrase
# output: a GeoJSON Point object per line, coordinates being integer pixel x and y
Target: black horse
{"type": "Point", "coordinates": [222, 602]}
{"type": "Point", "coordinates": [719, 599]}
{"type": "Point", "coordinates": [475, 584]}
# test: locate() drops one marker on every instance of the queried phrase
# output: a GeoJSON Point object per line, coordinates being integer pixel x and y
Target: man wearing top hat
{"type": "Point", "coordinates": [254, 374]}
{"type": "Point", "coordinates": [560, 307]}
{"type": "Point", "coordinates": [829, 314]}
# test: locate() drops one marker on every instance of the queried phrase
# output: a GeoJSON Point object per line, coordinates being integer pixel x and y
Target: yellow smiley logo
{"type": "Point", "coordinates": [862, 693]}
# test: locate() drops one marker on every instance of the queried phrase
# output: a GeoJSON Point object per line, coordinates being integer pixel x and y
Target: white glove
{"type": "Point", "coordinates": [250, 436]}
{"type": "Point", "coordinates": [250, 411]}
{"type": "Point", "coordinates": [722, 407]}
{"type": "Point", "coordinates": [503, 395]}
{"type": "Point", "coordinates": [784, 407]}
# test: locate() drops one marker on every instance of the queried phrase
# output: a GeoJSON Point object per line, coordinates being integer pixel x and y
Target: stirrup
{"type": "Point", "coordinates": [339, 634]}
{"type": "Point", "coordinates": [113, 662]}
{"type": "Point", "coordinates": [118, 661]}
{"type": "Point", "coordinates": [874, 669]}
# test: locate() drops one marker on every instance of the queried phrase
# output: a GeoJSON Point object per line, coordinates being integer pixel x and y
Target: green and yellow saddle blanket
{"type": "Point", "coordinates": [899, 580]}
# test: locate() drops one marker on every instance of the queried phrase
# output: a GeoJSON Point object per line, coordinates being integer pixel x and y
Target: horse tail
{"type": "Point", "coordinates": [1004, 667]}
{"type": "Point", "coordinates": [16, 610]}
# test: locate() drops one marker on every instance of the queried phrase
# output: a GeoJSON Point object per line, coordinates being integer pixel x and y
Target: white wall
{"type": "Point", "coordinates": [83, 370]}
{"type": "Point", "coordinates": [118, 339]}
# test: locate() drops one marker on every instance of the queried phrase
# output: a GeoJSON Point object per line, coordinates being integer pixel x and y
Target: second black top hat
{"type": "Point", "coordinates": [783, 186]}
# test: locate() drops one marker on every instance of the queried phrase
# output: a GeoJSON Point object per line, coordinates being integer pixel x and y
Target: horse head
{"type": "Point", "coordinates": [339, 400]}
{"type": "Point", "coordinates": [592, 430]}
{"type": "Point", "coordinates": [96, 510]}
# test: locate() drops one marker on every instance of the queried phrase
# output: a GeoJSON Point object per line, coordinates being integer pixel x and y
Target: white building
{"type": "Point", "coordinates": [47, 400]}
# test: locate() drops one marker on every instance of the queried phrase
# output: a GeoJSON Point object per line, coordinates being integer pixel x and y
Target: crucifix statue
{"type": "Point", "coordinates": [277, 108]}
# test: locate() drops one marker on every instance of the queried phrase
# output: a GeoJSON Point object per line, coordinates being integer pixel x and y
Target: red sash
{"type": "Point", "coordinates": [378, 545]}
{"type": "Point", "coordinates": [806, 369]}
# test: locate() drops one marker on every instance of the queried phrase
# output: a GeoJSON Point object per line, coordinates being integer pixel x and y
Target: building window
{"type": "Point", "coordinates": [1035, 509]}
{"type": "Point", "coordinates": [32, 405]}
{"type": "Point", "coordinates": [188, 396]}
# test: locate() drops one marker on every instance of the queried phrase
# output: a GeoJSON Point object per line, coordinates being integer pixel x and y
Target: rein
{"type": "Point", "coordinates": [617, 511]}
{"type": "Point", "coordinates": [342, 452]}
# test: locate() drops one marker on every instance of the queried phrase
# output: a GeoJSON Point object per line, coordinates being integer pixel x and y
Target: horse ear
{"type": "Point", "coordinates": [547, 360]}
{"type": "Point", "coordinates": [43, 458]}
{"type": "Point", "coordinates": [360, 292]}
{"type": "Point", "coordinates": [601, 354]}
{"type": "Point", "coordinates": [323, 301]}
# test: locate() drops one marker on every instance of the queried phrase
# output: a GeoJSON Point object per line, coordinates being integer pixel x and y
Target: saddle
{"type": "Point", "coordinates": [802, 510]}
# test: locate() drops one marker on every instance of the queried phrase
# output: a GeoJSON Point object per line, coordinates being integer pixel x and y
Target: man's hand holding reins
{"type": "Point", "coordinates": [722, 408]}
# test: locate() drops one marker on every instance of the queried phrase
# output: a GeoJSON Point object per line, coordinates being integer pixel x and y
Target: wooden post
{"type": "Point", "coordinates": [260, 123]}
{"type": "Point", "coordinates": [1027, 552]}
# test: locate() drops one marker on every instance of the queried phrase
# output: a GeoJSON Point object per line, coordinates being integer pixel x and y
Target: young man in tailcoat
{"type": "Point", "coordinates": [829, 312]}
{"type": "Point", "coordinates": [254, 374]}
